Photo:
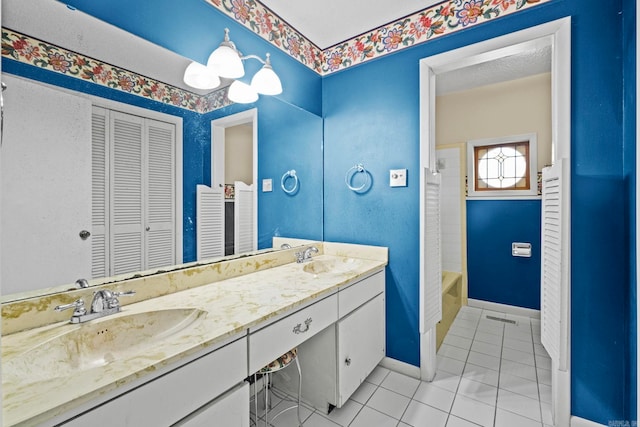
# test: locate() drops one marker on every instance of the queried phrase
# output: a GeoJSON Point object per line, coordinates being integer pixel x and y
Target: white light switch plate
{"type": "Point", "coordinates": [398, 178]}
{"type": "Point", "coordinates": [267, 185]}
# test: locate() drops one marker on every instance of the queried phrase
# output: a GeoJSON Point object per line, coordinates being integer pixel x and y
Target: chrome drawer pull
{"type": "Point", "coordinates": [298, 328]}
{"type": "Point", "coordinates": [347, 361]}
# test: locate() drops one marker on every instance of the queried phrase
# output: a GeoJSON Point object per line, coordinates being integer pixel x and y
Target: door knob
{"type": "Point", "coordinates": [347, 361]}
{"type": "Point", "coordinates": [84, 234]}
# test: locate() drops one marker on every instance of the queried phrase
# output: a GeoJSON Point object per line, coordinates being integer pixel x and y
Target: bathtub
{"type": "Point", "coordinates": [451, 303]}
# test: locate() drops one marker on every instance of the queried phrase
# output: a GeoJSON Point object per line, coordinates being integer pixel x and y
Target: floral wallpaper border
{"type": "Point", "coordinates": [28, 50]}
{"type": "Point", "coordinates": [444, 18]}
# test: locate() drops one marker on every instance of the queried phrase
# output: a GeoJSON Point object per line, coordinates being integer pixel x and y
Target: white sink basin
{"type": "Point", "coordinates": [328, 266]}
{"type": "Point", "coordinates": [97, 343]}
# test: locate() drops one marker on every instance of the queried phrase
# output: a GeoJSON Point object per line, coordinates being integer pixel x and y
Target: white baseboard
{"type": "Point", "coordinates": [504, 308]}
{"type": "Point", "coordinates": [581, 422]}
{"type": "Point", "coordinates": [400, 367]}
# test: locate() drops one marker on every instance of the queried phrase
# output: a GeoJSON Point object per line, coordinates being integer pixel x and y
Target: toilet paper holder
{"type": "Point", "coordinates": [520, 249]}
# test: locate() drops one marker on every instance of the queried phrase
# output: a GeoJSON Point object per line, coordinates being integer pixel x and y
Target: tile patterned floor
{"type": "Point", "coordinates": [490, 373]}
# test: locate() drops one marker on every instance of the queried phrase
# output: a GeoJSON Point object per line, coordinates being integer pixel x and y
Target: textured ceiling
{"type": "Point", "coordinates": [329, 22]}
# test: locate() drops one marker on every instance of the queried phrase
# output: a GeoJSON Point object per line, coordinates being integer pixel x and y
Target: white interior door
{"type": "Point", "coordinates": [46, 187]}
{"type": "Point", "coordinates": [243, 224]}
{"type": "Point", "coordinates": [209, 222]}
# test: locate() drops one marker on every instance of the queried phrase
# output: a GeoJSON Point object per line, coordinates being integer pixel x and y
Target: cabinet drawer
{"type": "Point", "coordinates": [167, 399]}
{"type": "Point", "coordinates": [357, 294]}
{"type": "Point", "coordinates": [230, 409]}
{"type": "Point", "coordinates": [273, 341]}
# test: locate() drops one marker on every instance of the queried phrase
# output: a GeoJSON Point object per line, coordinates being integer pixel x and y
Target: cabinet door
{"type": "Point", "coordinates": [230, 409]}
{"type": "Point", "coordinates": [361, 346]}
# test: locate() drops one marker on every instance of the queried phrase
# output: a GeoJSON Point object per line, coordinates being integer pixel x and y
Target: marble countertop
{"type": "Point", "coordinates": [47, 388]}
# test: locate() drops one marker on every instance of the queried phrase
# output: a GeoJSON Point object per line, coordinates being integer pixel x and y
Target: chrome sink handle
{"type": "Point", "coordinates": [77, 305]}
{"type": "Point", "coordinates": [107, 300]}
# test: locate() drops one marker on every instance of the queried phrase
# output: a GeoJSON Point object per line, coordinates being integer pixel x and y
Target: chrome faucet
{"type": "Point", "coordinates": [105, 302]}
{"type": "Point", "coordinates": [306, 255]}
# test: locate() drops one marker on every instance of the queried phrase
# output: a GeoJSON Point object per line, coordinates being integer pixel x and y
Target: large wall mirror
{"type": "Point", "coordinates": [51, 203]}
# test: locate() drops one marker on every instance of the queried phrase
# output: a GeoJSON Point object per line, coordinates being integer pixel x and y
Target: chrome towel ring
{"type": "Point", "coordinates": [289, 174]}
{"type": "Point", "coordinates": [359, 168]}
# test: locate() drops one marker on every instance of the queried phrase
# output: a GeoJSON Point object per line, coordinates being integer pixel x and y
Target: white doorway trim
{"type": "Point", "coordinates": [218, 127]}
{"type": "Point", "coordinates": [558, 35]}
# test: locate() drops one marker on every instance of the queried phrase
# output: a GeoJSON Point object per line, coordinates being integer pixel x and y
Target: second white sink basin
{"type": "Point", "coordinates": [97, 343]}
{"type": "Point", "coordinates": [338, 266]}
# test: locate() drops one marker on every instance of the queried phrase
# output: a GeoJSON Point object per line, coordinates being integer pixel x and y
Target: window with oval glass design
{"type": "Point", "coordinates": [502, 166]}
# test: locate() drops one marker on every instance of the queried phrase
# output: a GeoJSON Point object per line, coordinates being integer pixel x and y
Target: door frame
{"type": "Point", "coordinates": [218, 128]}
{"type": "Point", "coordinates": [558, 35]}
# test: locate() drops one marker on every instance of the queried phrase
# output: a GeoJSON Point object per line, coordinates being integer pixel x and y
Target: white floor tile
{"type": "Point", "coordinates": [459, 422]}
{"type": "Point", "coordinates": [520, 320]}
{"type": "Point", "coordinates": [518, 345]}
{"type": "Point", "coordinates": [388, 402]}
{"type": "Point", "coordinates": [456, 341]}
{"type": "Point", "coordinates": [452, 352]}
{"type": "Point", "coordinates": [434, 396]}
{"type": "Point", "coordinates": [519, 370]}
{"type": "Point", "coordinates": [519, 385]}
{"type": "Point", "coordinates": [446, 381]}
{"type": "Point", "coordinates": [418, 415]}
{"type": "Point", "coordinates": [378, 375]}
{"type": "Point", "coordinates": [317, 420]}
{"type": "Point", "coordinates": [288, 418]}
{"type": "Point", "coordinates": [486, 348]}
{"type": "Point", "coordinates": [465, 323]}
{"type": "Point", "coordinates": [547, 417]}
{"type": "Point", "coordinates": [488, 338]}
{"type": "Point", "coordinates": [364, 392]}
{"type": "Point", "coordinates": [462, 332]}
{"type": "Point", "coordinates": [469, 315]}
{"type": "Point", "coordinates": [473, 410]}
{"type": "Point", "coordinates": [499, 315]}
{"type": "Point", "coordinates": [343, 416]}
{"type": "Point", "coordinates": [545, 393]}
{"type": "Point", "coordinates": [401, 384]}
{"type": "Point", "coordinates": [518, 404]}
{"type": "Point", "coordinates": [518, 356]}
{"type": "Point", "coordinates": [517, 334]}
{"type": "Point", "coordinates": [481, 374]}
{"type": "Point", "coordinates": [543, 362]}
{"type": "Point", "coordinates": [509, 419]}
{"type": "Point", "coordinates": [450, 365]}
{"type": "Point", "coordinates": [491, 327]}
{"type": "Point", "coordinates": [478, 391]}
{"type": "Point", "coordinates": [485, 360]}
{"type": "Point", "coordinates": [544, 376]}
{"type": "Point", "coordinates": [539, 350]}
{"type": "Point", "coordinates": [368, 417]}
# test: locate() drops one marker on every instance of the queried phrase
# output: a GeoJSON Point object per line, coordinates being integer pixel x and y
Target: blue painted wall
{"type": "Point", "coordinates": [371, 115]}
{"type": "Point", "coordinates": [629, 41]}
{"type": "Point", "coordinates": [493, 273]}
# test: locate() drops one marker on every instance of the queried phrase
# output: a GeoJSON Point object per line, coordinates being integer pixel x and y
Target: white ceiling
{"type": "Point", "coordinates": [329, 22]}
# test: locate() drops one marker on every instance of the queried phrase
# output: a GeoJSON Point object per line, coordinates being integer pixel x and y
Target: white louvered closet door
{"type": "Point", "coordinates": [160, 192]}
{"type": "Point", "coordinates": [209, 222]}
{"type": "Point", "coordinates": [554, 289]}
{"type": "Point", "coordinates": [431, 301]}
{"type": "Point", "coordinates": [244, 231]}
{"type": "Point", "coordinates": [99, 193]}
{"type": "Point", "coordinates": [127, 185]}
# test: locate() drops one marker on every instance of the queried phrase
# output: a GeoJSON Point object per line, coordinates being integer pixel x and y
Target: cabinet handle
{"type": "Point", "coordinates": [347, 361]}
{"type": "Point", "coordinates": [298, 328]}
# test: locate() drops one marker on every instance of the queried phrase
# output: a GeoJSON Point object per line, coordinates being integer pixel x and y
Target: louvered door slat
{"type": "Point", "coordinates": [432, 292]}
{"type": "Point", "coordinates": [209, 222]}
{"type": "Point", "coordinates": [244, 232]}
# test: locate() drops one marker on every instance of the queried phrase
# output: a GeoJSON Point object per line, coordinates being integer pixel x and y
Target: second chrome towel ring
{"type": "Point", "coordinates": [352, 172]}
{"type": "Point", "coordinates": [289, 174]}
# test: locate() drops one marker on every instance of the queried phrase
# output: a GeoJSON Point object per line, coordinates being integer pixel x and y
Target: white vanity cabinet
{"type": "Point", "coordinates": [199, 391]}
{"type": "Point", "coordinates": [336, 361]}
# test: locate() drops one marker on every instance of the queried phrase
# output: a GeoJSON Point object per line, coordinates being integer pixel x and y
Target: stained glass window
{"type": "Point", "coordinates": [502, 167]}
